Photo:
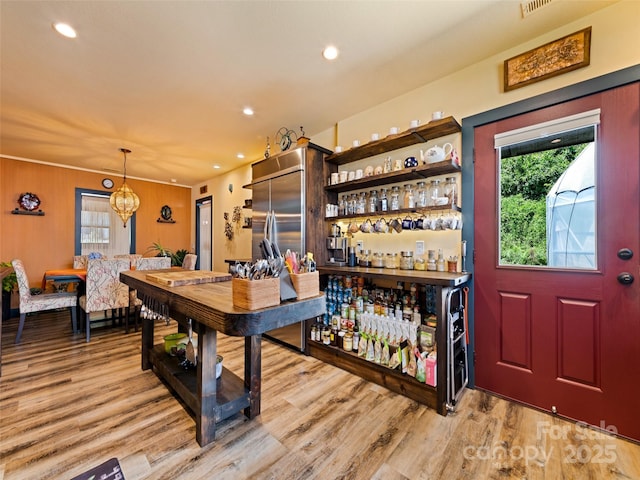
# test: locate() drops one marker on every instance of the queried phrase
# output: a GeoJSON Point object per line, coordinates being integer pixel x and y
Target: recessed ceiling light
{"type": "Point", "coordinates": [173, 180]}
{"type": "Point", "coordinates": [248, 111]}
{"type": "Point", "coordinates": [65, 30]}
{"type": "Point", "coordinates": [216, 166]}
{"type": "Point", "coordinates": [556, 140]}
{"type": "Point", "coordinates": [330, 52]}
{"type": "Point", "coordinates": [240, 155]}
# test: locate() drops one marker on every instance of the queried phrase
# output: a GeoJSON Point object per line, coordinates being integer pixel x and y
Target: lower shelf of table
{"type": "Point", "coordinates": [231, 394]}
{"type": "Point", "coordinates": [394, 380]}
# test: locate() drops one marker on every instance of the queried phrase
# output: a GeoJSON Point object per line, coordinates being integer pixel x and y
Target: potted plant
{"type": "Point", "coordinates": [177, 257]}
{"type": "Point", "coordinates": [9, 284]}
{"type": "Point", "coordinates": [160, 250]}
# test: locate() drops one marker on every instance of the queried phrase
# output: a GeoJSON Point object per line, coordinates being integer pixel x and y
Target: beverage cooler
{"type": "Point", "coordinates": [458, 371]}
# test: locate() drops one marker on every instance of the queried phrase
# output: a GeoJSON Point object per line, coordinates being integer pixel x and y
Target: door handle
{"type": "Point", "coordinates": [625, 254]}
{"type": "Point", "coordinates": [625, 278]}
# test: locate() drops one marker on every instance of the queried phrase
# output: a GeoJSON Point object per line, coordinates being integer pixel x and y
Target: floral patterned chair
{"type": "Point", "coordinates": [104, 291]}
{"type": "Point", "coordinates": [80, 261]}
{"type": "Point", "coordinates": [39, 303]}
{"type": "Point", "coordinates": [132, 257]}
{"type": "Point", "coordinates": [154, 263]}
{"type": "Point", "coordinates": [189, 262]}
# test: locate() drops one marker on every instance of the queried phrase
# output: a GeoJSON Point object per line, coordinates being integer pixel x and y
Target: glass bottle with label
{"type": "Point", "coordinates": [383, 200]}
{"type": "Point", "coordinates": [373, 201]}
{"type": "Point", "coordinates": [395, 198]}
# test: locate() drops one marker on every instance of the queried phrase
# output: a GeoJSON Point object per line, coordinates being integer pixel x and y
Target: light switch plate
{"type": "Point", "coordinates": [359, 245]}
{"type": "Point", "coordinates": [420, 247]}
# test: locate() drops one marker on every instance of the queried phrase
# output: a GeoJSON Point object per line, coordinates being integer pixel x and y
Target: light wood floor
{"type": "Point", "coordinates": [66, 406]}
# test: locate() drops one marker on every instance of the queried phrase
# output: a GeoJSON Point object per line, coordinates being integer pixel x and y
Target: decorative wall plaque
{"type": "Point", "coordinates": [554, 58]}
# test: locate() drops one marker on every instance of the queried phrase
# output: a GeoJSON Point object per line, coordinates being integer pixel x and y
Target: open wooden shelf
{"type": "Point", "coordinates": [413, 136]}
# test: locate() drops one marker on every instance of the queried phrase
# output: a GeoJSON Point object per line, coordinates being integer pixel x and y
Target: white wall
{"type": "Point", "coordinates": [615, 45]}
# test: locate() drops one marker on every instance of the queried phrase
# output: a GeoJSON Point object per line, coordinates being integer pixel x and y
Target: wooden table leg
{"type": "Point", "coordinates": [147, 342]}
{"type": "Point", "coordinates": [207, 388]}
{"type": "Point", "coordinates": [253, 373]}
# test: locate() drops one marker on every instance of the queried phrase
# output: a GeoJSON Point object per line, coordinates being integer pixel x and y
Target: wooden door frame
{"type": "Point", "coordinates": [199, 202]}
{"type": "Point", "coordinates": [572, 92]}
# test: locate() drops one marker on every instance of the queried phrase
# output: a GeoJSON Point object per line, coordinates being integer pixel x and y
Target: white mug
{"type": "Point", "coordinates": [437, 115]}
{"type": "Point", "coordinates": [375, 136]}
{"type": "Point", "coordinates": [356, 143]}
{"type": "Point", "coordinates": [393, 131]}
{"type": "Point", "coordinates": [359, 174]}
{"type": "Point", "coordinates": [335, 178]}
{"type": "Point", "coordinates": [351, 176]}
{"type": "Point", "coordinates": [343, 176]}
{"type": "Point", "coordinates": [338, 148]}
{"type": "Point", "coordinates": [414, 124]}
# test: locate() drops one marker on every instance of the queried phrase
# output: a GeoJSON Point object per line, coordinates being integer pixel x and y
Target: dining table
{"type": "Point", "coordinates": [209, 308]}
{"type": "Point", "coordinates": [64, 275]}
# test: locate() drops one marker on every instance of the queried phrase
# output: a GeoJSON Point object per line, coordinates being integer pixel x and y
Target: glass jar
{"type": "Point", "coordinates": [431, 261]}
{"type": "Point", "coordinates": [342, 205]}
{"type": "Point", "coordinates": [361, 203]}
{"type": "Point", "coordinates": [434, 192]}
{"type": "Point", "coordinates": [422, 196]}
{"type": "Point", "coordinates": [365, 258]}
{"type": "Point", "coordinates": [383, 201]}
{"type": "Point", "coordinates": [373, 201]}
{"type": "Point", "coordinates": [451, 191]}
{"type": "Point", "coordinates": [395, 198]}
{"type": "Point", "coordinates": [419, 263]}
{"type": "Point", "coordinates": [378, 260]}
{"type": "Point", "coordinates": [391, 261]}
{"type": "Point", "coordinates": [409, 198]}
{"type": "Point", "coordinates": [440, 263]}
{"type": "Point", "coordinates": [351, 206]}
{"type": "Point", "coordinates": [406, 260]}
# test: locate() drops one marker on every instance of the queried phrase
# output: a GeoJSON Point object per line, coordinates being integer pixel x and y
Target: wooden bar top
{"type": "Point", "coordinates": [211, 305]}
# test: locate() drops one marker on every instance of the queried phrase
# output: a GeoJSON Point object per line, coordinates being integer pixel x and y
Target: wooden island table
{"type": "Point", "coordinates": [211, 309]}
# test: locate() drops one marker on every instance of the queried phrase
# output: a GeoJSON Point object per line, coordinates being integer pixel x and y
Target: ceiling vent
{"type": "Point", "coordinates": [531, 6]}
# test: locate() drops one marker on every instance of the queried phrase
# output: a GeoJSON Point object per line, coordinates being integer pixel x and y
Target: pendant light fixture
{"type": "Point", "coordinates": [123, 201]}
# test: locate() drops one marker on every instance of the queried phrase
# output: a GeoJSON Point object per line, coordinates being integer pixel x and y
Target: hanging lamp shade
{"type": "Point", "coordinates": [124, 201]}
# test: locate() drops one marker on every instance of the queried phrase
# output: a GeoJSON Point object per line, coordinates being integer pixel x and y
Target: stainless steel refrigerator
{"type": "Point", "coordinates": [278, 185]}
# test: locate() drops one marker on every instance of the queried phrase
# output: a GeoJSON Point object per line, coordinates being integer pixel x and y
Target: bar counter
{"type": "Point", "coordinates": [211, 309]}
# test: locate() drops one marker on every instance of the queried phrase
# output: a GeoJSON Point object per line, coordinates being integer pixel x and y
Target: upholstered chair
{"type": "Point", "coordinates": [104, 290]}
{"type": "Point", "coordinates": [39, 303]}
{"type": "Point", "coordinates": [80, 261]}
{"type": "Point", "coordinates": [189, 262]}
{"type": "Point", "coordinates": [154, 263]}
{"type": "Point", "coordinates": [132, 257]}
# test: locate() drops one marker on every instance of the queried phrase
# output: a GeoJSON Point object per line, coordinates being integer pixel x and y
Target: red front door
{"type": "Point", "coordinates": [558, 339]}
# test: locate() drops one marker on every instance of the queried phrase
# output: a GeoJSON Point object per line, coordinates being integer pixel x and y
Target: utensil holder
{"type": "Point", "coordinates": [306, 284]}
{"type": "Point", "coordinates": [255, 294]}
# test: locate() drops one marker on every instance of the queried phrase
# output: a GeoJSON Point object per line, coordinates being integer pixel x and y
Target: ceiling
{"type": "Point", "coordinates": [169, 79]}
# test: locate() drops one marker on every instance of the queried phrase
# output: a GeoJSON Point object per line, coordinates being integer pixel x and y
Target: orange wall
{"type": "Point", "coordinates": [48, 242]}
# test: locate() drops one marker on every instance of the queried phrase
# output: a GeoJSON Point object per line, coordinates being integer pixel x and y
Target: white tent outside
{"type": "Point", "coordinates": [571, 218]}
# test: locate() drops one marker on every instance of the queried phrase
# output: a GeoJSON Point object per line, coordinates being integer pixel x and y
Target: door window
{"type": "Point", "coordinates": [547, 201]}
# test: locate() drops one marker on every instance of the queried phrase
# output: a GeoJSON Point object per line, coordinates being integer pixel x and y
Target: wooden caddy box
{"type": "Point", "coordinates": [255, 294]}
{"type": "Point", "coordinates": [306, 285]}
